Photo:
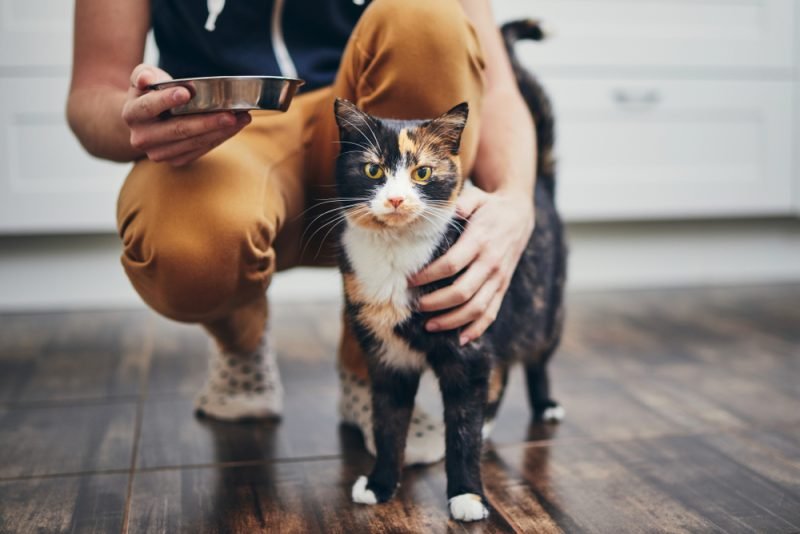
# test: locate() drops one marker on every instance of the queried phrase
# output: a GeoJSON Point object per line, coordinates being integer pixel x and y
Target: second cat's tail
{"type": "Point", "coordinates": [535, 96]}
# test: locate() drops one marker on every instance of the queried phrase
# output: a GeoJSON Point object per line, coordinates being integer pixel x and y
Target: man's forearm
{"type": "Point", "coordinates": [506, 158]}
{"type": "Point", "coordinates": [95, 116]}
{"type": "Point", "coordinates": [507, 147]}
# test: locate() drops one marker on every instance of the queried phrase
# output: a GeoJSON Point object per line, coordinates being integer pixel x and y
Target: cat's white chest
{"type": "Point", "coordinates": [382, 262]}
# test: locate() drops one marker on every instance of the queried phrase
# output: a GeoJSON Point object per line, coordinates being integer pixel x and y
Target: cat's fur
{"type": "Point", "coordinates": [384, 242]}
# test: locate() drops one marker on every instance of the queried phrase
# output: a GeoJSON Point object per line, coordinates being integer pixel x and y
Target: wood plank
{"type": "Point", "coordinates": [71, 356]}
{"type": "Point", "coordinates": [66, 439]}
{"type": "Point", "coordinates": [85, 504]}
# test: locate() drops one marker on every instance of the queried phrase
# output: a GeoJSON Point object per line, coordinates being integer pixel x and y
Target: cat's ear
{"type": "Point", "coordinates": [350, 119]}
{"type": "Point", "coordinates": [449, 126]}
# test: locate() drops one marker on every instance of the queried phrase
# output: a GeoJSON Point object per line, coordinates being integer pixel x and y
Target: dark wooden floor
{"type": "Point", "coordinates": [683, 415]}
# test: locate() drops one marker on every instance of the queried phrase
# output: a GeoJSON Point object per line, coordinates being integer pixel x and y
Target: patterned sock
{"type": "Point", "coordinates": [425, 442]}
{"type": "Point", "coordinates": [242, 385]}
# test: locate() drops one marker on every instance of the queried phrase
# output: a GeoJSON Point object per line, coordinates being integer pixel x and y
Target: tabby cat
{"type": "Point", "coordinates": [398, 182]}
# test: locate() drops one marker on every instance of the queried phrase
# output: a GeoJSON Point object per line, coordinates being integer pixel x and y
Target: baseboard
{"type": "Point", "coordinates": [74, 272]}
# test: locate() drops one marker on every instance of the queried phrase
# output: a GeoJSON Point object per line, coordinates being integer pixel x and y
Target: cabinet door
{"type": "Point", "coordinates": [674, 33]}
{"type": "Point", "coordinates": [652, 149]}
{"type": "Point", "coordinates": [36, 33]}
{"type": "Point", "coordinates": [47, 181]}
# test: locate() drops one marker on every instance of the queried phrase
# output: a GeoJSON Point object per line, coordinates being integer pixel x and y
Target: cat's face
{"type": "Point", "coordinates": [393, 173]}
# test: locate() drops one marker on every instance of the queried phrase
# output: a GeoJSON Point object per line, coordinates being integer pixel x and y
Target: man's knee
{"type": "Point", "coordinates": [436, 32]}
{"type": "Point", "coordinates": [201, 270]}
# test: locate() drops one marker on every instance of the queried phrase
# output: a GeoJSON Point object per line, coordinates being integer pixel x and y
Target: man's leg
{"type": "Point", "coordinates": [200, 247]}
{"type": "Point", "coordinates": [407, 60]}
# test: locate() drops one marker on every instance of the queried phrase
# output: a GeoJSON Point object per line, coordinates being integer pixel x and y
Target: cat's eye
{"type": "Point", "coordinates": [373, 170]}
{"type": "Point", "coordinates": [422, 174]}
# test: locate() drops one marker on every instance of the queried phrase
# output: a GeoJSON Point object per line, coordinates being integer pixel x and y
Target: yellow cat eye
{"type": "Point", "coordinates": [422, 174]}
{"type": "Point", "coordinates": [373, 170]}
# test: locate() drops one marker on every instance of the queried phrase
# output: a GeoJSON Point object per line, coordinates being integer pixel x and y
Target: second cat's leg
{"type": "Point", "coordinates": [544, 408]}
{"type": "Point", "coordinates": [393, 393]}
{"type": "Point", "coordinates": [464, 381]}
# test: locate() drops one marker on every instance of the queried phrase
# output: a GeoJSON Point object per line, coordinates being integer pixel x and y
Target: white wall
{"type": "Point", "coordinates": [84, 271]}
{"type": "Point", "coordinates": [720, 138]}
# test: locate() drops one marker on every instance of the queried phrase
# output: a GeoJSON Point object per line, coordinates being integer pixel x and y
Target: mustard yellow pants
{"type": "Point", "coordinates": [201, 241]}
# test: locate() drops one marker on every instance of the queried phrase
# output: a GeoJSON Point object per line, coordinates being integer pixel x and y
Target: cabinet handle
{"type": "Point", "coordinates": [625, 97]}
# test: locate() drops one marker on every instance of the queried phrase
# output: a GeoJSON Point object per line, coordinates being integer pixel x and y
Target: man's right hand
{"type": "Point", "coordinates": [175, 140]}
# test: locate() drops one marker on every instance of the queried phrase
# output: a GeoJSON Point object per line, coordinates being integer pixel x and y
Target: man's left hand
{"type": "Point", "coordinates": [499, 227]}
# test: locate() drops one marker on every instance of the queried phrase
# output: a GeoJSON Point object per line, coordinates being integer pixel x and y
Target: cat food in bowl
{"type": "Point", "coordinates": [233, 93]}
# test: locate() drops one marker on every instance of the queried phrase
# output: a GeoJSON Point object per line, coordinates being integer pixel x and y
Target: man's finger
{"type": "Point", "coordinates": [478, 327]}
{"type": "Point", "coordinates": [451, 263]}
{"type": "Point", "coordinates": [145, 75]}
{"type": "Point", "coordinates": [470, 200]}
{"type": "Point", "coordinates": [150, 105]}
{"type": "Point", "coordinates": [468, 312]}
{"type": "Point", "coordinates": [464, 288]}
{"type": "Point", "coordinates": [205, 142]}
{"type": "Point", "coordinates": [180, 128]}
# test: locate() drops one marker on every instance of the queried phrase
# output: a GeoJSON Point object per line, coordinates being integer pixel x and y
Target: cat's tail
{"type": "Point", "coordinates": [536, 98]}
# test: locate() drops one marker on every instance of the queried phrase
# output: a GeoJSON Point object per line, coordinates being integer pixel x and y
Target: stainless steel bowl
{"type": "Point", "coordinates": [234, 93]}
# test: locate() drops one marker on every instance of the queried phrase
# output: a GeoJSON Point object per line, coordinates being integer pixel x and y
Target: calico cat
{"type": "Point", "coordinates": [398, 182]}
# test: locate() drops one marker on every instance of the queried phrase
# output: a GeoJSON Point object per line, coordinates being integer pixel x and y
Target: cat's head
{"type": "Point", "coordinates": [395, 173]}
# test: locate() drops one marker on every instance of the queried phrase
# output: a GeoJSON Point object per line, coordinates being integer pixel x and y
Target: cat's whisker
{"type": "Point", "coordinates": [329, 201]}
{"type": "Point", "coordinates": [340, 217]}
{"type": "Point", "coordinates": [310, 225]}
{"type": "Point", "coordinates": [357, 211]}
{"type": "Point", "coordinates": [363, 147]}
{"type": "Point", "coordinates": [365, 121]}
{"type": "Point", "coordinates": [322, 241]}
{"type": "Point", "coordinates": [367, 139]}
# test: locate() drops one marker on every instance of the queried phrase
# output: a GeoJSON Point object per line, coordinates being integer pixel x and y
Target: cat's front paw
{"type": "Point", "coordinates": [468, 507]}
{"type": "Point", "coordinates": [550, 412]}
{"type": "Point", "coordinates": [366, 492]}
{"type": "Point", "coordinates": [361, 494]}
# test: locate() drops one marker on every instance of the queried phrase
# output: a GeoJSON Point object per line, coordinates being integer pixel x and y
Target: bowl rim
{"type": "Point", "coordinates": [298, 81]}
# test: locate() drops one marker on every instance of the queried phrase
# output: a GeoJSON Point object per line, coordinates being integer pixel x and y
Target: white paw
{"type": "Point", "coordinates": [361, 494]}
{"type": "Point", "coordinates": [554, 414]}
{"type": "Point", "coordinates": [468, 507]}
{"type": "Point", "coordinates": [486, 430]}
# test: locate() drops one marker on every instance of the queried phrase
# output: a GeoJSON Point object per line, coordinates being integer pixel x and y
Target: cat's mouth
{"type": "Point", "coordinates": [381, 221]}
{"type": "Point", "coordinates": [397, 218]}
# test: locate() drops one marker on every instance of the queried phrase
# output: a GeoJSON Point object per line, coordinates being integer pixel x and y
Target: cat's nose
{"type": "Point", "coordinates": [395, 201]}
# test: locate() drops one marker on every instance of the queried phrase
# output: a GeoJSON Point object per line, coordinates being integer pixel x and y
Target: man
{"type": "Point", "coordinates": [216, 203]}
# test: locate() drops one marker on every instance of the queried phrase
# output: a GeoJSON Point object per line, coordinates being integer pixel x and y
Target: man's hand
{"type": "Point", "coordinates": [499, 227]}
{"type": "Point", "coordinates": [176, 140]}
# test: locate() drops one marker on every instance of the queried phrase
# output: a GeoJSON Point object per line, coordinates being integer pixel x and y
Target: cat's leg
{"type": "Point", "coordinates": [544, 408]}
{"type": "Point", "coordinates": [498, 379]}
{"type": "Point", "coordinates": [425, 441]}
{"type": "Point", "coordinates": [464, 382]}
{"type": "Point", "coordinates": [393, 392]}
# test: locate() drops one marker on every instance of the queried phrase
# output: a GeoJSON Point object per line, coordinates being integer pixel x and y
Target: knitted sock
{"type": "Point", "coordinates": [425, 442]}
{"type": "Point", "coordinates": [242, 385]}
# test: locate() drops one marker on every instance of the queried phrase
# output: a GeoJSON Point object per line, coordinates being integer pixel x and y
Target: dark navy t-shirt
{"type": "Point", "coordinates": [303, 38]}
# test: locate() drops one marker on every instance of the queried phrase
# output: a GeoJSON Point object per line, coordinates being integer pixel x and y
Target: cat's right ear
{"type": "Point", "coordinates": [349, 118]}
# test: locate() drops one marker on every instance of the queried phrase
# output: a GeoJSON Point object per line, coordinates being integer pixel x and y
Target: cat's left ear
{"type": "Point", "coordinates": [449, 126]}
{"type": "Point", "coordinates": [350, 119]}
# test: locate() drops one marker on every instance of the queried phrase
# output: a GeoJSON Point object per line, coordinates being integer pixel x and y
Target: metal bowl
{"type": "Point", "coordinates": [234, 93]}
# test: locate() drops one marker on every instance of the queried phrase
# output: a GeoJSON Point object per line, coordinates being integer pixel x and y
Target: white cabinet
{"type": "Point", "coordinates": [670, 108]}
{"type": "Point", "coordinates": [659, 148]}
{"type": "Point", "coordinates": [35, 33]}
{"type": "Point", "coordinates": [659, 33]}
{"type": "Point", "coordinates": [48, 183]}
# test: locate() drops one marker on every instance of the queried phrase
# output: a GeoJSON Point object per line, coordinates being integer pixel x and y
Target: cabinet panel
{"type": "Point", "coordinates": [635, 149]}
{"type": "Point", "coordinates": [36, 32]}
{"type": "Point", "coordinates": [657, 33]}
{"type": "Point", "coordinates": [47, 181]}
